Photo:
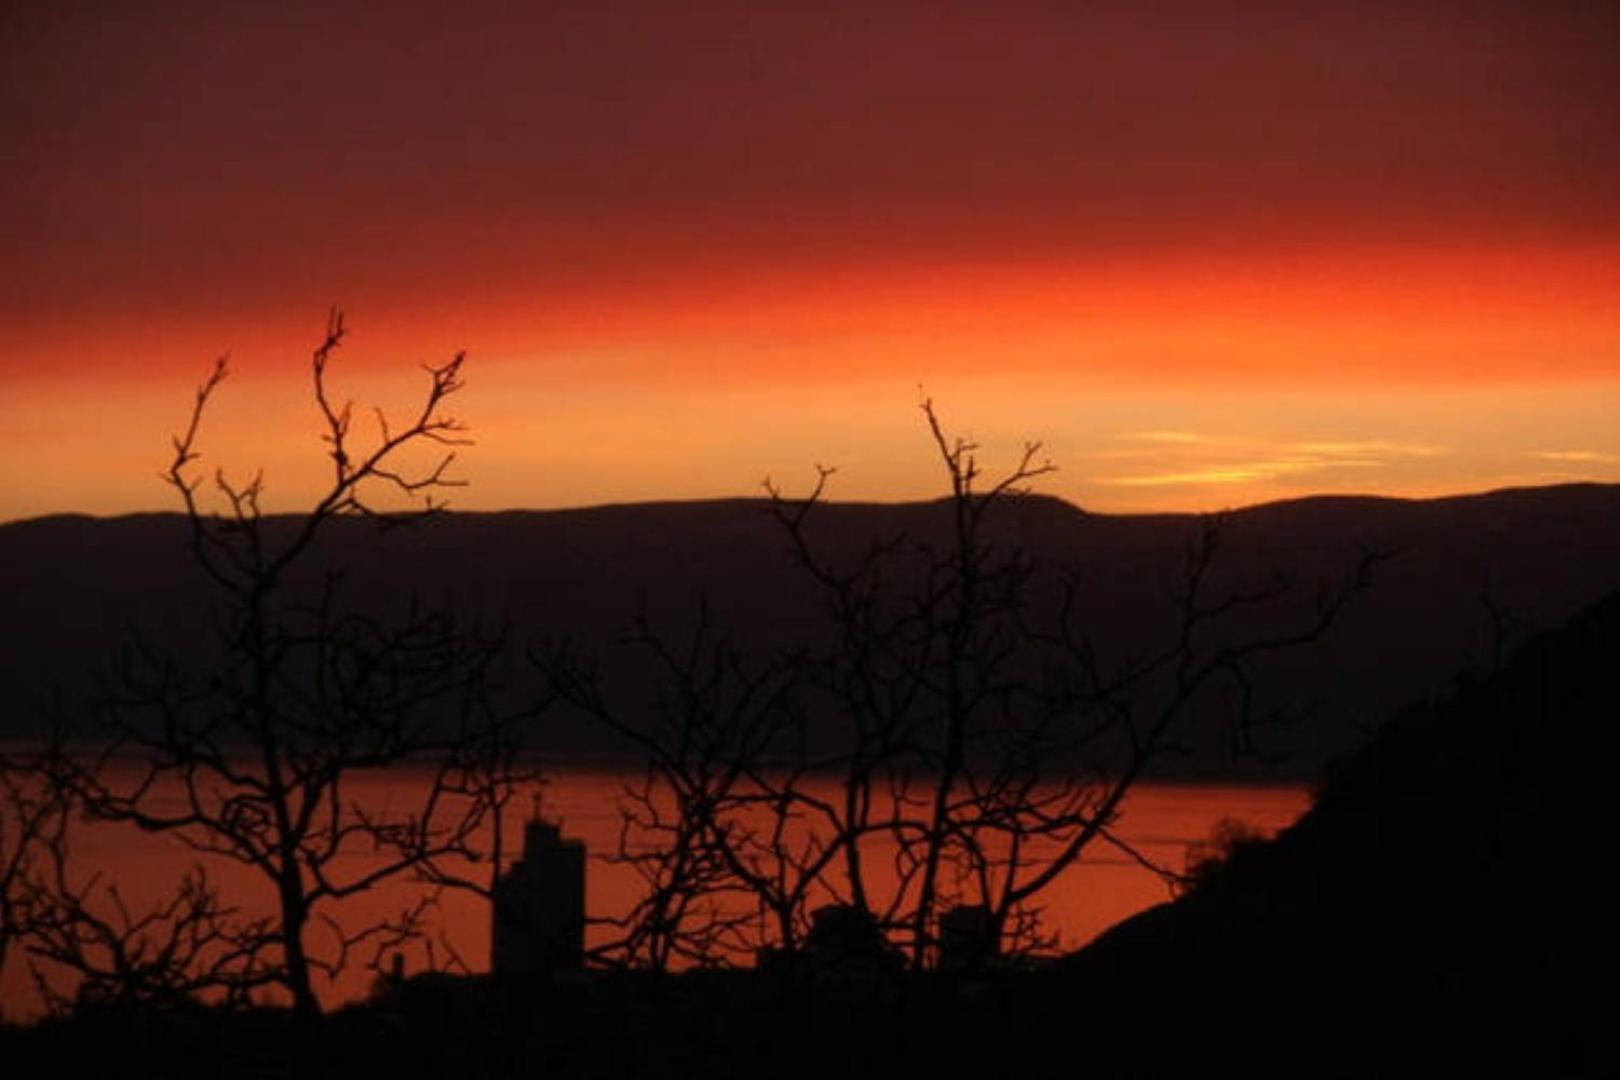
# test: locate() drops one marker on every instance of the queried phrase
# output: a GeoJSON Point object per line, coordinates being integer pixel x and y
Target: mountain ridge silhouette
{"type": "Point", "coordinates": [79, 586]}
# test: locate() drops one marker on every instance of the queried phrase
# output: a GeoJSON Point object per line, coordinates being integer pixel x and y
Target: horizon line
{"type": "Point", "coordinates": [1325, 496]}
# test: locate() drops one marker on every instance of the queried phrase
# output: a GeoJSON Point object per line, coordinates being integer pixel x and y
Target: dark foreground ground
{"type": "Point", "coordinates": [1442, 910]}
{"type": "Point", "coordinates": [1416, 1021]}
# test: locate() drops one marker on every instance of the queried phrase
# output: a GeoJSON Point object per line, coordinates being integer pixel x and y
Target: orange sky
{"type": "Point", "coordinates": [1207, 259]}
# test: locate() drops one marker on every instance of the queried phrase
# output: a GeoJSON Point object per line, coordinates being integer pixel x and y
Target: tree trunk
{"type": "Point", "coordinates": [294, 915]}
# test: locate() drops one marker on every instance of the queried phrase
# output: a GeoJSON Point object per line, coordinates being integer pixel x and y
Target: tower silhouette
{"type": "Point", "coordinates": [539, 906]}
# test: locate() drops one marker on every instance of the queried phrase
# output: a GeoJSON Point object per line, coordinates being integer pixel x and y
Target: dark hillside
{"type": "Point", "coordinates": [75, 588]}
{"type": "Point", "coordinates": [1438, 906]}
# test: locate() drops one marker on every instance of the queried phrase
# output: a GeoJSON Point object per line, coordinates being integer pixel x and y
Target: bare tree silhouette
{"type": "Point", "coordinates": [184, 949]}
{"type": "Point", "coordinates": [694, 824]}
{"type": "Point", "coordinates": [951, 748]}
{"type": "Point", "coordinates": [31, 814]}
{"type": "Point", "coordinates": [251, 759]}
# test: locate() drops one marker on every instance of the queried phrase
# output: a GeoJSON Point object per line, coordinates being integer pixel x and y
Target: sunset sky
{"type": "Point", "coordinates": [1209, 254]}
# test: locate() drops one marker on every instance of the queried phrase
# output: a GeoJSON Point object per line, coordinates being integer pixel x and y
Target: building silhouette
{"type": "Point", "coordinates": [847, 940]}
{"type": "Point", "coordinates": [969, 938]}
{"type": "Point", "coordinates": [539, 906]}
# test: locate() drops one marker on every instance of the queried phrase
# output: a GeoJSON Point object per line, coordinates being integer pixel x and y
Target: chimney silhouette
{"type": "Point", "coordinates": [539, 906]}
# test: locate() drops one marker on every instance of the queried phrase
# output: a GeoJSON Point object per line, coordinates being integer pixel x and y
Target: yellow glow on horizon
{"type": "Point", "coordinates": [1191, 382]}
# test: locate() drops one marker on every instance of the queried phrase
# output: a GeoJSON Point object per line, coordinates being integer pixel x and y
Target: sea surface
{"type": "Point", "coordinates": [1160, 821]}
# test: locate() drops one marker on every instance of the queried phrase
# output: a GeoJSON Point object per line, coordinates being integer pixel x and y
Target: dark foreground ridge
{"type": "Point", "coordinates": [1435, 910]}
{"type": "Point", "coordinates": [1434, 913]}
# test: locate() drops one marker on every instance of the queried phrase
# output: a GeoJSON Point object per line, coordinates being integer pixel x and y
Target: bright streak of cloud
{"type": "Point", "coordinates": [1204, 476]}
{"type": "Point", "coordinates": [1577, 457]}
{"type": "Point", "coordinates": [1268, 461]}
{"type": "Point", "coordinates": [1374, 448]}
{"type": "Point", "coordinates": [1181, 437]}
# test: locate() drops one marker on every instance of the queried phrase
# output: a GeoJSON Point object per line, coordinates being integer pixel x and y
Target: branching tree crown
{"type": "Point", "coordinates": [253, 758]}
{"type": "Point", "coordinates": [950, 748]}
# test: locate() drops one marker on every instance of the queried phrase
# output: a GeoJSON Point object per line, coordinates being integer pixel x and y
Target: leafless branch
{"type": "Point", "coordinates": [250, 759]}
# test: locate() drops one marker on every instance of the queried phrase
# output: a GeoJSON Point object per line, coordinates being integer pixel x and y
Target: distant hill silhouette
{"type": "Point", "coordinates": [1436, 908]}
{"type": "Point", "coordinates": [76, 587]}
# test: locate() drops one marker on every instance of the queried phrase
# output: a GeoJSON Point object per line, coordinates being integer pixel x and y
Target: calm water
{"type": "Point", "coordinates": [1160, 820]}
